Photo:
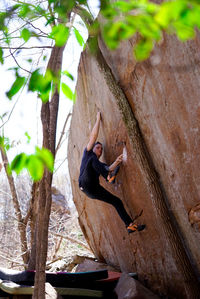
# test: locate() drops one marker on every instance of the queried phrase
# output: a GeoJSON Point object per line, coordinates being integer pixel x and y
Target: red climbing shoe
{"type": "Point", "coordinates": [135, 227]}
{"type": "Point", "coordinates": [113, 175]}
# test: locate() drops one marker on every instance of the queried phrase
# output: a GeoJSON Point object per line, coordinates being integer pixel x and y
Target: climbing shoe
{"type": "Point", "coordinates": [113, 175]}
{"type": "Point", "coordinates": [135, 227]}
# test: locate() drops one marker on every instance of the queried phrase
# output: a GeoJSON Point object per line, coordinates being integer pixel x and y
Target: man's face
{"type": "Point", "coordinates": [98, 150]}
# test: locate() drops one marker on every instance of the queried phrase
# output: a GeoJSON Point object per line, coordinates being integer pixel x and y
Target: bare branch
{"type": "Point", "coordinates": [5, 193]}
{"type": "Point", "coordinates": [62, 133]}
{"type": "Point", "coordinates": [72, 240]}
{"type": "Point", "coordinates": [12, 261]}
{"type": "Point", "coordinates": [84, 14]}
{"type": "Point", "coordinates": [27, 48]}
{"type": "Point", "coordinates": [18, 63]}
{"type": "Point", "coordinates": [36, 28]}
{"type": "Point", "coordinates": [55, 260]}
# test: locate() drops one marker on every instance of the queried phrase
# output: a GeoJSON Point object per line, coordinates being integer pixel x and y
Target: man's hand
{"type": "Point", "coordinates": [98, 116]}
{"type": "Point", "coordinates": [119, 159]}
{"type": "Point", "coordinates": [117, 162]}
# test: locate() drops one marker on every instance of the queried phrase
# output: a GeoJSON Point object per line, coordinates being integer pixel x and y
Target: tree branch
{"type": "Point", "coordinates": [12, 261]}
{"type": "Point", "coordinates": [62, 133]}
{"type": "Point", "coordinates": [72, 240]}
{"type": "Point", "coordinates": [84, 14]}
{"type": "Point", "coordinates": [18, 63]}
{"type": "Point", "coordinates": [27, 48]}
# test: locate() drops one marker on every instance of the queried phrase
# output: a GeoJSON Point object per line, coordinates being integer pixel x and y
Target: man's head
{"type": "Point", "coordinates": [98, 149]}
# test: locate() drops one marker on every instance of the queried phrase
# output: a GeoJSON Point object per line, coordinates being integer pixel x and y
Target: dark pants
{"type": "Point", "coordinates": [98, 192]}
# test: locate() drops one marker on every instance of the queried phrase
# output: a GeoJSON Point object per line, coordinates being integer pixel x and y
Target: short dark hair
{"type": "Point", "coordinates": [97, 143]}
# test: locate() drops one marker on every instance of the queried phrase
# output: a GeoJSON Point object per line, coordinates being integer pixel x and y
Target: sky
{"type": "Point", "coordinates": [23, 112]}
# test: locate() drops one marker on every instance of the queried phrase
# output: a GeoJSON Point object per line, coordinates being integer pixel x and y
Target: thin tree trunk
{"type": "Point", "coordinates": [33, 216]}
{"type": "Point", "coordinates": [20, 221]}
{"type": "Point", "coordinates": [49, 114]}
{"type": "Point", "coordinates": [181, 255]}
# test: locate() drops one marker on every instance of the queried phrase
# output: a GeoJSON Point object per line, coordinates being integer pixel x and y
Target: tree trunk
{"type": "Point", "coordinates": [33, 217]}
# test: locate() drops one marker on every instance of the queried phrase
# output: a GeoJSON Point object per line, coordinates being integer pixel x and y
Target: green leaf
{"type": "Point", "coordinates": [169, 11]}
{"type": "Point", "coordinates": [68, 75]}
{"type": "Point", "coordinates": [46, 157]}
{"type": "Point", "coordinates": [28, 137]}
{"type": "Point", "coordinates": [60, 34]}
{"type": "Point", "coordinates": [79, 37]}
{"type": "Point", "coordinates": [111, 41]}
{"type": "Point", "coordinates": [1, 56]}
{"type": "Point", "coordinates": [184, 32]}
{"type": "Point", "coordinates": [17, 85]}
{"type": "Point", "coordinates": [67, 91]}
{"type": "Point", "coordinates": [34, 163]}
{"type": "Point", "coordinates": [25, 34]}
{"type": "Point", "coordinates": [18, 163]}
{"type": "Point", "coordinates": [25, 10]}
{"type": "Point", "coordinates": [143, 49]}
{"type": "Point", "coordinates": [42, 84]}
{"type": "Point", "coordinates": [5, 143]}
{"type": "Point", "coordinates": [35, 167]}
{"type": "Point", "coordinates": [35, 81]}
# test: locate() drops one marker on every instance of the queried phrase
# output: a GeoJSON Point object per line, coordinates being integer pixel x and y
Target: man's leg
{"type": "Point", "coordinates": [99, 193]}
{"type": "Point", "coordinates": [102, 194]}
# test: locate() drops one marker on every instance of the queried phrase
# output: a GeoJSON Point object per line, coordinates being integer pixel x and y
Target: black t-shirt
{"type": "Point", "coordinates": [91, 168]}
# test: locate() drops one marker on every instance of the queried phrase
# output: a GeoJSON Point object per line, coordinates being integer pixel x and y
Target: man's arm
{"type": "Point", "coordinates": [116, 162]}
{"type": "Point", "coordinates": [94, 133]}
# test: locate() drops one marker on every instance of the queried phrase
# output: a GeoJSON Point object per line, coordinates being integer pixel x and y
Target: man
{"type": "Point", "coordinates": [90, 170]}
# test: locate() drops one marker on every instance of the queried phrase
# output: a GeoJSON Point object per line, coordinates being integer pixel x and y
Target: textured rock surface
{"type": "Point", "coordinates": [161, 174]}
{"type": "Point", "coordinates": [90, 265]}
{"type": "Point", "coordinates": [129, 288]}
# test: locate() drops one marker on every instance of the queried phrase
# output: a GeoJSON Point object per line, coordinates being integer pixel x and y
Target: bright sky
{"type": "Point", "coordinates": [25, 116]}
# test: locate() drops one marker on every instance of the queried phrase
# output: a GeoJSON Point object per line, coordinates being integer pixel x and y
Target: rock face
{"type": "Point", "coordinates": [153, 110]}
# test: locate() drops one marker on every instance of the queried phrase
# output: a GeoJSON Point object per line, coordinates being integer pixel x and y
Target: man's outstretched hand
{"type": "Point", "coordinates": [98, 115]}
{"type": "Point", "coordinates": [119, 159]}
{"type": "Point", "coordinates": [116, 162]}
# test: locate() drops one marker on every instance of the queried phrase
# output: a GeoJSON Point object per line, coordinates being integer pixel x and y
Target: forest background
{"type": "Point", "coordinates": [44, 29]}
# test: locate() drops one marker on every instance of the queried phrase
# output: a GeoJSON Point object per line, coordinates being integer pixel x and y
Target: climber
{"type": "Point", "coordinates": [90, 170]}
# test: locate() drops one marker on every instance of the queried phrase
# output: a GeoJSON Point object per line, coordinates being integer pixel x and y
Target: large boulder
{"type": "Point", "coordinates": [152, 110]}
{"type": "Point", "coordinates": [129, 288]}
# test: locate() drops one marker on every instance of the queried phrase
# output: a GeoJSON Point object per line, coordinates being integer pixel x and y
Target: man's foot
{"type": "Point", "coordinates": [133, 227]}
{"type": "Point", "coordinates": [113, 175]}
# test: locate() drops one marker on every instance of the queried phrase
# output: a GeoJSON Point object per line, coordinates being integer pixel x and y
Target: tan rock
{"type": "Point", "coordinates": [59, 202]}
{"type": "Point", "coordinates": [129, 288]}
{"type": "Point", "coordinates": [90, 265]}
{"type": "Point", "coordinates": [50, 292]}
{"type": "Point", "coordinates": [153, 111]}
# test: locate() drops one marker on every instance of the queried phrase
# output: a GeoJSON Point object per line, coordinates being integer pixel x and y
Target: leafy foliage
{"type": "Point", "coordinates": [25, 34]}
{"type": "Point", "coordinates": [1, 56]}
{"type": "Point", "coordinates": [149, 20]}
{"type": "Point", "coordinates": [17, 85]}
{"type": "Point", "coordinates": [60, 34]}
{"type": "Point", "coordinates": [42, 84]}
{"type": "Point", "coordinates": [5, 143]}
{"type": "Point", "coordinates": [79, 37]}
{"type": "Point", "coordinates": [34, 163]}
{"type": "Point", "coordinates": [68, 92]}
